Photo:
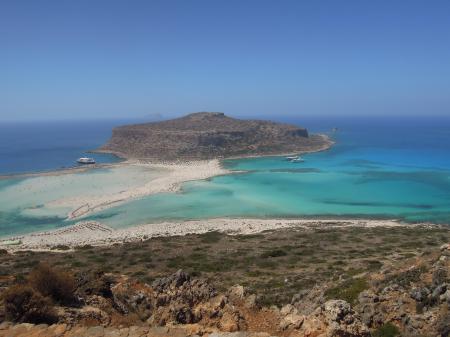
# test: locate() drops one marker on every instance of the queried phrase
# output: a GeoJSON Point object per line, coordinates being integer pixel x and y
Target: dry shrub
{"type": "Point", "coordinates": [53, 283]}
{"type": "Point", "coordinates": [443, 322]}
{"type": "Point", "coordinates": [24, 304]}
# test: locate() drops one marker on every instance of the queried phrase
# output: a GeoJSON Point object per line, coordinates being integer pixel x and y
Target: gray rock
{"type": "Point", "coordinates": [439, 290]}
{"type": "Point", "coordinates": [175, 280]}
{"type": "Point", "coordinates": [445, 297]}
{"type": "Point", "coordinates": [293, 320]}
{"type": "Point", "coordinates": [439, 276]}
{"type": "Point", "coordinates": [337, 310]}
{"type": "Point", "coordinates": [236, 293]}
{"type": "Point", "coordinates": [419, 294]}
{"type": "Point", "coordinates": [251, 301]}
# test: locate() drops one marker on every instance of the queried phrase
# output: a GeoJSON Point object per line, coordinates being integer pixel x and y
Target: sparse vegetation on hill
{"type": "Point", "coordinates": [358, 281]}
{"type": "Point", "coordinates": [207, 135]}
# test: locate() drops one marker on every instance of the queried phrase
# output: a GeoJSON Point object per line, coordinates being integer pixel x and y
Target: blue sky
{"type": "Point", "coordinates": [117, 59]}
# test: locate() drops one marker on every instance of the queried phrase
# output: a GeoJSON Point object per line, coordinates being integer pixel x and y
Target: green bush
{"type": "Point", "coordinates": [274, 253]}
{"type": "Point", "coordinates": [348, 290]}
{"type": "Point", "coordinates": [211, 237]}
{"type": "Point", "coordinates": [386, 330]}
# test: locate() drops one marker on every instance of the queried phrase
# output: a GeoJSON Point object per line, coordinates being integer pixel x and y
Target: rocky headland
{"type": "Point", "coordinates": [208, 135]}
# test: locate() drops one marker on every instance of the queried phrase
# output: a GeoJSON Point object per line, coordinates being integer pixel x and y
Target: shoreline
{"type": "Point", "coordinates": [97, 234]}
{"type": "Point", "coordinates": [328, 143]}
{"type": "Point", "coordinates": [173, 175]}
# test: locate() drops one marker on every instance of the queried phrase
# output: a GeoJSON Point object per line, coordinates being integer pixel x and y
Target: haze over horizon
{"type": "Point", "coordinates": [117, 59]}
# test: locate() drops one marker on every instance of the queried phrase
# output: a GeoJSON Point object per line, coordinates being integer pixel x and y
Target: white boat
{"type": "Point", "coordinates": [297, 160]}
{"type": "Point", "coordinates": [86, 160]}
{"type": "Point", "coordinates": [292, 158]}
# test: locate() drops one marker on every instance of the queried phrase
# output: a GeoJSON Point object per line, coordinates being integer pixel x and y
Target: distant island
{"type": "Point", "coordinates": [209, 135]}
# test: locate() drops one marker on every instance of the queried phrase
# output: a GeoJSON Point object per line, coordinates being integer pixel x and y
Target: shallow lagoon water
{"type": "Point", "coordinates": [43, 202]}
{"type": "Point", "coordinates": [273, 189]}
{"type": "Point", "coordinates": [378, 169]}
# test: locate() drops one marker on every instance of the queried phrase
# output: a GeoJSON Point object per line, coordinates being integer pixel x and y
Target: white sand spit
{"type": "Point", "coordinates": [171, 176]}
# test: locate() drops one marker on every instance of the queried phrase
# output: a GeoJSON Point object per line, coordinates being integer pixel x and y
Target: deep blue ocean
{"type": "Point", "coordinates": [384, 167]}
{"type": "Point", "coordinates": [42, 146]}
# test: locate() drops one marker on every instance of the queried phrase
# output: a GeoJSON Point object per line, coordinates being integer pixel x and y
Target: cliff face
{"type": "Point", "coordinates": [206, 135]}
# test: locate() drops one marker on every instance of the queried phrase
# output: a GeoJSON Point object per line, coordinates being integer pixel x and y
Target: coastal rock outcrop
{"type": "Point", "coordinates": [413, 299]}
{"type": "Point", "coordinates": [334, 318]}
{"type": "Point", "coordinates": [207, 135]}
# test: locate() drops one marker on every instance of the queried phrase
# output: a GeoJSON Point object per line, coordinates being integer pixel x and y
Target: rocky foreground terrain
{"type": "Point", "coordinates": [207, 135]}
{"type": "Point", "coordinates": [404, 292]}
{"type": "Point", "coordinates": [413, 300]}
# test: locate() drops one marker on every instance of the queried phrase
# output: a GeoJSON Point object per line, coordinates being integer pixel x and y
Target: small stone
{"type": "Point", "coordinates": [445, 246]}
{"type": "Point", "coordinates": [294, 321]}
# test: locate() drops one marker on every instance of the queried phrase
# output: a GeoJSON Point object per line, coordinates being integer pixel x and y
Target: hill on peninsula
{"type": "Point", "coordinates": [207, 135]}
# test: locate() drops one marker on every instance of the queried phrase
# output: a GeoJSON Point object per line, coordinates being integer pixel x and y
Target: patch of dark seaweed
{"type": "Point", "coordinates": [377, 204]}
{"type": "Point", "coordinates": [362, 163]}
{"type": "Point", "coordinates": [436, 179]}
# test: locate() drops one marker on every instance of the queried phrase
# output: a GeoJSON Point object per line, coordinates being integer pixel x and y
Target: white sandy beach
{"type": "Point", "coordinates": [171, 177]}
{"type": "Point", "coordinates": [97, 234]}
{"type": "Point", "coordinates": [77, 193]}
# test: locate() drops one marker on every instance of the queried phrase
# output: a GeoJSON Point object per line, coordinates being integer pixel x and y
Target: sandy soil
{"type": "Point", "coordinates": [94, 233]}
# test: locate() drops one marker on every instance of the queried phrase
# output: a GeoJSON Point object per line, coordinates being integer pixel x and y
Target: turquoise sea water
{"type": "Point", "coordinates": [379, 168]}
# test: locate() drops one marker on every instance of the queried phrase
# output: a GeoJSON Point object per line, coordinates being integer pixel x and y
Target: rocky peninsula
{"type": "Point", "coordinates": [210, 135]}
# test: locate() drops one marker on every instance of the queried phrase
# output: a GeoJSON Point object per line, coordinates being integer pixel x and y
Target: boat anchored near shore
{"type": "Point", "coordinates": [295, 159]}
{"type": "Point", "coordinates": [85, 161]}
